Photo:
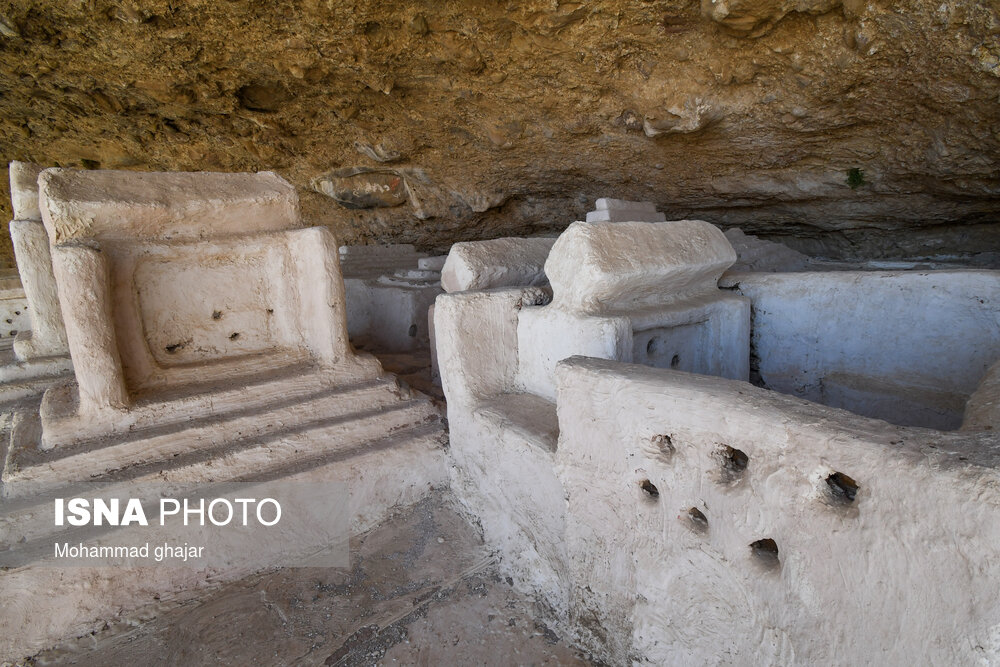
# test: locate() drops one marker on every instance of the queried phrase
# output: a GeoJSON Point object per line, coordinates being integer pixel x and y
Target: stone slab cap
{"type": "Point", "coordinates": [506, 262]}
{"type": "Point", "coordinates": [608, 204]}
{"type": "Point", "coordinates": [605, 267]}
{"type": "Point", "coordinates": [24, 190]}
{"type": "Point", "coordinates": [622, 210]}
{"type": "Point", "coordinates": [78, 205]}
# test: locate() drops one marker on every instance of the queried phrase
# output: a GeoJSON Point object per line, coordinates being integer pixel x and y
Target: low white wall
{"type": "Point", "coordinates": [901, 570]}
{"type": "Point", "coordinates": [501, 440]}
{"type": "Point", "coordinates": [905, 346]}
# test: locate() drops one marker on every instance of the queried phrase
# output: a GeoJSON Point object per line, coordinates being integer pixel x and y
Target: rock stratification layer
{"type": "Point", "coordinates": [842, 128]}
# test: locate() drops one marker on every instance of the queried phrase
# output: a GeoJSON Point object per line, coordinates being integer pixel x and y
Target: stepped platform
{"type": "Point", "coordinates": [382, 441]}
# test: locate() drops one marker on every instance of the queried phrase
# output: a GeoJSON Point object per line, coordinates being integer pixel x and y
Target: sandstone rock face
{"type": "Point", "coordinates": [840, 128]}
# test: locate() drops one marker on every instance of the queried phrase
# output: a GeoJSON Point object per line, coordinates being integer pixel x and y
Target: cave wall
{"type": "Point", "coordinates": [842, 128]}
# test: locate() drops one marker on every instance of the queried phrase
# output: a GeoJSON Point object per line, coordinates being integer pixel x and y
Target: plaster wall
{"type": "Point", "coordinates": [389, 290]}
{"type": "Point", "coordinates": [497, 434]}
{"type": "Point", "coordinates": [901, 566]}
{"type": "Point", "coordinates": [906, 346]}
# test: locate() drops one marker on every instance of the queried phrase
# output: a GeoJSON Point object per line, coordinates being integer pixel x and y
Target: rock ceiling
{"type": "Point", "coordinates": [842, 128]}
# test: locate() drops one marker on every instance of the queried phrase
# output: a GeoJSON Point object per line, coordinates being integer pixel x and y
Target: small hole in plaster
{"type": "Point", "coordinates": [10, 321]}
{"type": "Point", "coordinates": [734, 462]}
{"type": "Point", "coordinates": [234, 335]}
{"type": "Point", "coordinates": [664, 443]}
{"type": "Point", "coordinates": [216, 315]}
{"type": "Point", "coordinates": [14, 332]}
{"type": "Point", "coordinates": [412, 331]}
{"type": "Point", "coordinates": [270, 311]}
{"type": "Point", "coordinates": [652, 345]}
{"type": "Point", "coordinates": [675, 361]}
{"type": "Point", "coordinates": [649, 488]}
{"type": "Point", "coordinates": [766, 551]}
{"type": "Point", "coordinates": [697, 519]}
{"type": "Point", "coordinates": [842, 488]}
{"type": "Point", "coordinates": [17, 312]}
{"type": "Point", "coordinates": [173, 348]}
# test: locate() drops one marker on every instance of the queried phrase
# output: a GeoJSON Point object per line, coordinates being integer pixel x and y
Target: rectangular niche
{"type": "Point", "coordinates": [683, 347]}
{"type": "Point", "coordinates": [205, 310]}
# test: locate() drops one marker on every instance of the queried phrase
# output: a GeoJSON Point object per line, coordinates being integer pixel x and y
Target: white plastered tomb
{"type": "Point", "coordinates": [504, 262]}
{"type": "Point", "coordinates": [636, 291]}
{"type": "Point", "coordinates": [210, 345]}
{"type": "Point", "coordinates": [168, 281]}
{"type": "Point", "coordinates": [675, 518]}
{"type": "Point", "coordinates": [615, 288]}
{"type": "Point", "coordinates": [479, 265]}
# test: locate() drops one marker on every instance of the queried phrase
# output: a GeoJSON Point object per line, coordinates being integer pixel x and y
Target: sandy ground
{"type": "Point", "coordinates": [422, 590]}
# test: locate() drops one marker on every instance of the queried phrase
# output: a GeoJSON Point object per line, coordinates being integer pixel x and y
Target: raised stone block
{"type": "Point", "coordinates": [47, 335]}
{"type": "Point", "coordinates": [506, 262]}
{"type": "Point", "coordinates": [630, 265]}
{"type": "Point", "coordinates": [622, 210]}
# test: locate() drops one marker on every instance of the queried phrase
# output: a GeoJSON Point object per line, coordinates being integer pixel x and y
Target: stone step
{"type": "Point", "coordinates": [15, 392]}
{"type": "Point", "coordinates": [224, 440]}
{"type": "Point", "coordinates": [223, 403]}
{"type": "Point", "coordinates": [24, 379]}
{"type": "Point", "coordinates": [13, 370]}
{"type": "Point", "coordinates": [396, 469]}
{"type": "Point", "coordinates": [27, 528]}
{"type": "Point", "coordinates": [175, 408]}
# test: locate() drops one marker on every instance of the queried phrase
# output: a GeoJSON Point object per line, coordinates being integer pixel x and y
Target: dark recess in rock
{"type": "Point", "coordinates": [262, 96]}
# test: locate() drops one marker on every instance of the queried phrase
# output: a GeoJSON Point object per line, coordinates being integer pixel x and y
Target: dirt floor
{"type": "Point", "coordinates": [422, 590]}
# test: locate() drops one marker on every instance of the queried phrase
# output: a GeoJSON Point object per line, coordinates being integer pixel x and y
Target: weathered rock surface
{"type": "Point", "coordinates": [840, 128]}
{"type": "Point", "coordinates": [754, 254]}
